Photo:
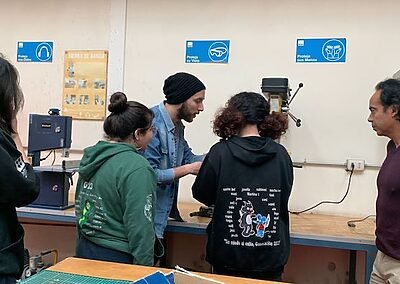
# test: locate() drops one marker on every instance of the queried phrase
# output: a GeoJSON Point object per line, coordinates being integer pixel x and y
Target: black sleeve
{"type": "Point", "coordinates": [17, 188]}
{"type": "Point", "coordinates": [287, 181]}
{"type": "Point", "coordinates": [204, 188]}
{"type": "Point", "coordinates": [290, 175]}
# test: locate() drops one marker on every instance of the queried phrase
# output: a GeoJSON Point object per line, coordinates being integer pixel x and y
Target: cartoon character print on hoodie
{"type": "Point", "coordinates": [246, 219]}
{"type": "Point", "coordinates": [250, 222]}
{"type": "Point", "coordinates": [262, 224]}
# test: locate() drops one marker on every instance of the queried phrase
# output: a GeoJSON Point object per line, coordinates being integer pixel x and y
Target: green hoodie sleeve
{"type": "Point", "coordinates": [138, 200]}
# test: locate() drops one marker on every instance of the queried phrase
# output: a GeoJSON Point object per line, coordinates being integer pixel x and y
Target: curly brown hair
{"type": "Point", "coordinates": [249, 108]}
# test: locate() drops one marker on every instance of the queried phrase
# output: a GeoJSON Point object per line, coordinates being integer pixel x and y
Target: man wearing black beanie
{"type": "Point", "coordinates": [168, 153]}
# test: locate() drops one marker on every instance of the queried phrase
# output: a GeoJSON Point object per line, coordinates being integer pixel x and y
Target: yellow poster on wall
{"type": "Point", "coordinates": [85, 84]}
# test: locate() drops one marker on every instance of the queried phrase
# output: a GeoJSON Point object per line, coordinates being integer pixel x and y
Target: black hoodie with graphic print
{"type": "Point", "coordinates": [249, 180]}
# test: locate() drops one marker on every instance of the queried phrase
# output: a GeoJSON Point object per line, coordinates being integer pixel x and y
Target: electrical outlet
{"type": "Point", "coordinates": [359, 165]}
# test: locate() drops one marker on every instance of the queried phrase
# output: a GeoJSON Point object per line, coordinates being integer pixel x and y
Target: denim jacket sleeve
{"type": "Point", "coordinates": [153, 154]}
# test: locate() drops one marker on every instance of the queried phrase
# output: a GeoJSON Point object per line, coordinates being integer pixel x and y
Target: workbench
{"type": "Point", "coordinates": [315, 230]}
{"type": "Point", "coordinates": [79, 269]}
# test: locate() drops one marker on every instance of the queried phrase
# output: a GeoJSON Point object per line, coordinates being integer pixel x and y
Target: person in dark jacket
{"type": "Point", "coordinates": [18, 183]}
{"type": "Point", "coordinates": [248, 177]}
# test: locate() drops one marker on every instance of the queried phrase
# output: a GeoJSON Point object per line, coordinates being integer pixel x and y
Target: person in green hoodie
{"type": "Point", "coordinates": [248, 177]}
{"type": "Point", "coordinates": [18, 182]}
{"type": "Point", "coordinates": [115, 193]}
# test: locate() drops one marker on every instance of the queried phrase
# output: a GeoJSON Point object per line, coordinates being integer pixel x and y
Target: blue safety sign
{"type": "Point", "coordinates": [35, 51]}
{"type": "Point", "coordinates": [311, 50]}
{"type": "Point", "coordinates": [207, 51]}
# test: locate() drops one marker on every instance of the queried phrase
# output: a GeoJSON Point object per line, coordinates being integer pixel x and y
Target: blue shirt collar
{"type": "Point", "coordinates": [167, 118]}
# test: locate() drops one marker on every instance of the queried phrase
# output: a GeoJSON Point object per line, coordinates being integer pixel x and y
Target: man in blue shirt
{"type": "Point", "coordinates": [168, 153]}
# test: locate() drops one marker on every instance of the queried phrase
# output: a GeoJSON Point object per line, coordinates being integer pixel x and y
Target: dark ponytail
{"type": "Point", "coordinates": [126, 117]}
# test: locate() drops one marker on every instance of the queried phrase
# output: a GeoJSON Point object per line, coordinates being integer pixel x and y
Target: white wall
{"type": "Point", "coordinates": [146, 41]}
{"type": "Point", "coordinates": [72, 25]}
{"type": "Point", "coordinates": [333, 103]}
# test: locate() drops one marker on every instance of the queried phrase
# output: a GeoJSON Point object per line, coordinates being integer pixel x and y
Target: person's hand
{"type": "Point", "coordinates": [187, 169]}
{"type": "Point", "coordinates": [194, 168]}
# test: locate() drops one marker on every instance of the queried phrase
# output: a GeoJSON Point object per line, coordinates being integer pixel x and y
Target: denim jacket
{"type": "Point", "coordinates": [167, 150]}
